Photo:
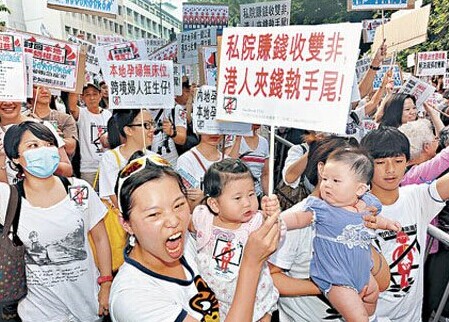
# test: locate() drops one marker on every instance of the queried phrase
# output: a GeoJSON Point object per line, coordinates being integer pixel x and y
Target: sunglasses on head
{"type": "Point", "coordinates": [137, 165]}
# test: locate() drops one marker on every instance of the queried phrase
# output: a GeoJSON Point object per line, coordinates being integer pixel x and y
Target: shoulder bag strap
{"type": "Point", "coordinates": [117, 158]}
{"type": "Point", "coordinates": [199, 160]}
{"type": "Point", "coordinates": [11, 212]}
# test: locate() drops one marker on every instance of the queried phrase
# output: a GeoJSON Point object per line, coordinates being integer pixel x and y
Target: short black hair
{"type": "Point", "coordinates": [116, 125]}
{"type": "Point", "coordinates": [14, 135]}
{"type": "Point", "coordinates": [101, 83]}
{"type": "Point", "coordinates": [359, 161]}
{"type": "Point", "coordinates": [386, 142]}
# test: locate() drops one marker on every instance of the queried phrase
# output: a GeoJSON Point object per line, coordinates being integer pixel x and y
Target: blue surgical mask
{"type": "Point", "coordinates": [42, 162]}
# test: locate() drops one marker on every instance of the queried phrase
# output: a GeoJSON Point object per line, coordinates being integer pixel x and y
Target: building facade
{"type": "Point", "coordinates": [135, 19]}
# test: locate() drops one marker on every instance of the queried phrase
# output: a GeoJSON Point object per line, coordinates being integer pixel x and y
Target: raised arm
{"type": "Point", "coordinates": [366, 84]}
{"type": "Point", "coordinates": [73, 105]}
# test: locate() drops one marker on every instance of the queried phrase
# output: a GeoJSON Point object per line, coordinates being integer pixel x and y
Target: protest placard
{"type": "Point", "coordinates": [208, 65]}
{"type": "Point", "coordinates": [199, 16]}
{"type": "Point", "coordinates": [168, 52]}
{"type": "Point", "coordinates": [416, 87]}
{"type": "Point", "coordinates": [125, 51]}
{"type": "Point", "coordinates": [293, 76]}
{"type": "Point", "coordinates": [106, 8]}
{"type": "Point", "coordinates": [190, 41]}
{"type": "Point", "coordinates": [265, 14]}
{"type": "Point", "coordinates": [397, 78]}
{"type": "Point", "coordinates": [361, 67]}
{"type": "Point", "coordinates": [369, 29]}
{"type": "Point", "coordinates": [154, 44]}
{"type": "Point", "coordinates": [398, 33]}
{"type": "Point", "coordinates": [55, 62]}
{"type": "Point", "coordinates": [431, 63]}
{"type": "Point", "coordinates": [92, 64]}
{"type": "Point", "coordinates": [12, 68]}
{"type": "Point", "coordinates": [103, 40]}
{"type": "Point", "coordinates": [205, 111]}
{"type": "Point", "coordinates": [177, 79]}
{"type": "Point", "coordinates": [140, 84]}
{"type": "Point", "coordinates": [411, 60]}
{"type": "Point", "coordinates": [367, 5]}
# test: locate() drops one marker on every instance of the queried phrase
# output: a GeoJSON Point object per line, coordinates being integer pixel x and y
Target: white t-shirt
{"type": "Point", "coordinates": [414, 210]}
{"type": "Point", "coordinates": [159, 139]}
{"type": "Point", "coordinates": [91, 127]}
{"type": "Point", "coordinates": [294, 255]}
{"type": "Point", "coordinates": [294, 153]}
{"type": "Point", "coordinates": [256, 159]}
{"type": "Point", "coordinates": [11, 171]}
{"type": "Point", "coordinates": [60, 268]}
{"type": "Point", "coordinates": [139, 294]}
{"type": "Point", "coordinates": [190, 168]}
{"type": "Point", "coordinates": [109, 170]}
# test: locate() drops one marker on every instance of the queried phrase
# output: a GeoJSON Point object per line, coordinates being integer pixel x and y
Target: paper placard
{"type": "Point", "coordinates": [284, 80]}
{"type": "Point", "coordinates": [92, 64]}
{"type": "Point", "coordinates": [177, 79]}
{"type": "Point", "coordinates": [205, 112]}
{"type": "Point", "coordinates": [416, 87]}
{"type": "Point", "coordinates": [12, 68]}
{"type": "Point", "coordinates": [369, 5]}
{"type": "Point", "coordinates": [199, 16]}
{"type": "Point", "coordinates": [208, 65]}
{"type": "Point", "coordinates": [106, 8]}
{"type": "Point", "coordinates": [125, 51]}
{"type": "Point", "coordinates": [168, 52]}
{"type": "Point", "coordinates": [140, 84]}
{"type": "Point", "coordinates": [265, 14]}
{"type": "Point", "coordinates": [55, 62]}
{"type": "Point", "coordinates": [397, 78]}
{"type": "Point", "coordinates": [431, 63]}
{"type": "Point", "coordinates": [190, 41]}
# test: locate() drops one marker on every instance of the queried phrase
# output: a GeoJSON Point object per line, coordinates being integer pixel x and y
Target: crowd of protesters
{"type": "Point", "coordinates": [203, 239]}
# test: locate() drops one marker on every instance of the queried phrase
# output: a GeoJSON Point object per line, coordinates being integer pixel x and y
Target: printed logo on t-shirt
{"type": "Point", "coordinates": [95, 132]}
{"type": "Point", "coordinates": [404, 259]}
{"type": "Point", "coordinates": [79, 195]}
{"type": "Point", "coordinates": [205, 302]}
{"type": "Point", "coordinates": [226, 257]}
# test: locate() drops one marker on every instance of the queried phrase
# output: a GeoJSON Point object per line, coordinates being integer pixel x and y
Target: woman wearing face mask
{"type": "Point", "coordinates": [55, 218]}
{"type": "Point", "coordinates": [10, 115]}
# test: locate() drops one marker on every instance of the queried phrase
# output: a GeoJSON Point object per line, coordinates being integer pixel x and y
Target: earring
{"type": "Point", "coordinates": [132, 240]}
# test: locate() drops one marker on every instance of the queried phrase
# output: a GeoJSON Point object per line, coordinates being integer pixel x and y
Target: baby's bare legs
{"type": "Point", "coordinates": [372, 287]}
{"type": "Point", "coordinates": [348, 303]}
{"type": "Point", "coordinates": [265, 318]}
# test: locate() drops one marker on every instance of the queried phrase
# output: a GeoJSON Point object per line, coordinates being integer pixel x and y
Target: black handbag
{"type": "Point", "coordinates": [13, 285]}
{"type": "Point", "coordinates": [289, 196]}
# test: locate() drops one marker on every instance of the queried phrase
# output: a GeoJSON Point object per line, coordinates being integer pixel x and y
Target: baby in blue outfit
{"type": "Point", "coordinates": [341, 261]}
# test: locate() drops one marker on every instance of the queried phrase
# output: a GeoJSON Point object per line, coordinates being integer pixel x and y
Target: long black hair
{"type": "Point", "coordinates": [393, 110]}
{"type": "Point", "coordinates": [116, 125]}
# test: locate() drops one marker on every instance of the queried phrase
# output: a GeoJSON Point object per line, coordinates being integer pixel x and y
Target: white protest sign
{"type": "Point", "coordinates": [168, 52]}
{"type": "Point", "coordinates": [190, 41]}
{"type": "Point", "coordinates": [189, 181]}
{"type": "Point", "coordinates": [177, 79]}
{"type": "Point", "coordinates": [199, 16]}
{"type": "Point", "coordinates": [431, 63]}
{"type": "Point", "coordinates": [265, 14]}
{"type": "Point", "coordinates": [140, 84]}
{"type": "Point", "coordinates": [421, 90]}
{"type": "Point", "coordinates": [29, 73]}
{"type": "Point", "coordinates": [103, 40]}
{"type": "Point", "coordinates": [380, 4]}
{"type": "Point", "coordinates": [369, 29]}
{"type": "Point", "coordinates": [205, 112]}
{"type": "Point", "coordinates": [361, 67]}
{"type": "Point", "coordinates": [208, 65]}
{"type": "Point", "coordinates": [397, 79]}
{"type": "Point", "coordinates": [12, 68]}
{"type": "Point", "coordinates": [92, 64]}
{"type": "Point", "coordinates": [108, 8]}
{"type": "Point", "coordinates": [125, 51]}
{"type": "Point", "coordinates": [154, 44]}
{"type": "Point", "coordinates": [55, 62]}
{"type": "Point", "coordinates": [411, 60]}
{"type": "Point", "coordinates": [283, 79]}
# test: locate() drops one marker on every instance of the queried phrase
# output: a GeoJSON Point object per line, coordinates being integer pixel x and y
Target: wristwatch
{"type": "Point", "coordinates": [374, 68]}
